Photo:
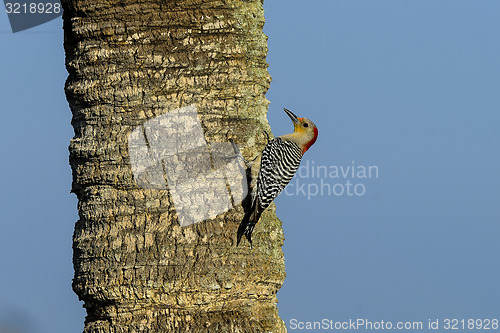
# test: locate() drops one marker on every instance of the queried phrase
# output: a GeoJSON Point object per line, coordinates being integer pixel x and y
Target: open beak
{"type": "Point", "coordinates": [292, 116]}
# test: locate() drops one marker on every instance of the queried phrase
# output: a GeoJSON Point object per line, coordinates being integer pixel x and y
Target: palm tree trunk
{"type": "Point", "coordinates": [136, 268]}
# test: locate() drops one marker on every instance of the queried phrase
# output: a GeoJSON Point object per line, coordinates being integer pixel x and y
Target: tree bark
{"type": "Point", "coordinates": [136, 268]}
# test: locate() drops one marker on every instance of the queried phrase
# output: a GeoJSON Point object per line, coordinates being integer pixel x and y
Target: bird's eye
{"type": "Point", "coordinates": [306, 125]}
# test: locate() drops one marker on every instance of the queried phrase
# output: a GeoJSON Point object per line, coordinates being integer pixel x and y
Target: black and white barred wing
{"type": "Point", "coordinates": [280, 160]}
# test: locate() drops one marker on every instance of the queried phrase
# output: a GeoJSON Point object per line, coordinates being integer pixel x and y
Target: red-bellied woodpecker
{"type": "Point", "coordinates": [274, 169]}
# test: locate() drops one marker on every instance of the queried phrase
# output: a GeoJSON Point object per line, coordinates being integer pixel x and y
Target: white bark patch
{"type": "Point", "coordinates": [171, 152]}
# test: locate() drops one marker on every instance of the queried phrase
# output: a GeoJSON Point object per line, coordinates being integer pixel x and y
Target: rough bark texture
{"type": "Point", "coordinates": [136, 268]}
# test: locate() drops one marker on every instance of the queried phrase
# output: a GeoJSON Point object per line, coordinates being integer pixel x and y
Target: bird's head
{"type": "Point", "coordinates": [305, 131]}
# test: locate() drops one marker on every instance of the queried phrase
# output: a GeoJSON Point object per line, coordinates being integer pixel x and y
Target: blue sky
{"type": "Point", "coordinates": [410, 87]}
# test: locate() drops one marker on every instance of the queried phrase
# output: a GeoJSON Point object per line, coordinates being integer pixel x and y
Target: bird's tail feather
{"type": "Point", "coordinates": [248, 223]}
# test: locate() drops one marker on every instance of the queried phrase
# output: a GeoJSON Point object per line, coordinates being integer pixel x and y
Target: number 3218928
{"type": "Point", "coordinates": [471, 324]}
{"type": "Point", "coordinates": [32, 8]}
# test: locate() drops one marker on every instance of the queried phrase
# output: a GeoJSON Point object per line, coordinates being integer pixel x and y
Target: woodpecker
{"type": "Point", "coordinates": [273, 169]}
